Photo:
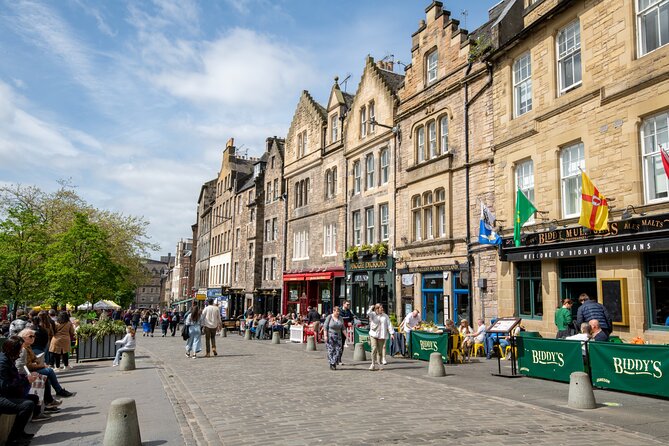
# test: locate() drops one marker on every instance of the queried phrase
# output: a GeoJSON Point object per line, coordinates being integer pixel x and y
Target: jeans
{"type": "Point", "coordinates": [260, 331]}
{"type": "Point", "coordinates": [119, 352]}
{"type": "Point", "coordinates": [51, 376]}
{"type": "Point", "coordinates": [490, 342]}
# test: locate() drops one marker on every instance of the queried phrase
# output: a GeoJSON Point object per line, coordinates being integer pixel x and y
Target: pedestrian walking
{"type": "Point", "coordinates": [153, 321]}
{"type": "Point", "coordinates": [146, 326]}
{"type": "Point", "coordinates": [194, 332]}
{"type": "Point", "coordinates": [135, 320]}
{"type": "Point", "coordinates": [211, 322]}
{"type": "Point", "coordinates": [335, 332]}
{"type": "Point", "coordinates": [60, 343]}
{"type": "Point", "coordinates": [379, 329]}
{"type": "Point", "coordinates": [164, 323]}
{"type": "Point", "coordinates": [174, 322]}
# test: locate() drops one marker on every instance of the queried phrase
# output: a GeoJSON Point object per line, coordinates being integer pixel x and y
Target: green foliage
{"type": "Point", "coordinates": [366, 247]}
{"type": "Point", "coordinates": [351, 253]}
{"type": "Point", "coordinates": [56, 248]}
{"type": "Point", "coordinates": [380, 249]}
{"type": "Point", "coordinates": [101, 329]}
{"type": "Point", "coordinates": [393, 320]}
{"type": "Point", "coordinates": [480, 47]}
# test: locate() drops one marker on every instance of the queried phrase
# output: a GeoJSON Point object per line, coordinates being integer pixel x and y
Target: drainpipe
{"type": "Point", "coordinates": [470, 257]}
{"type": "Point", "coordinates": [346, 262]}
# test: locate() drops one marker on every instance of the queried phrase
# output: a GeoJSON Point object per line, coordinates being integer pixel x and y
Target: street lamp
{"type": "Point", "coordinates": [395, 129]}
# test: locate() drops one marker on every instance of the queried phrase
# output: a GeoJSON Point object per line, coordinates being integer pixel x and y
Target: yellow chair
{"type": "Point", "coordinates": [508, 350]}
{"type": "Point", "coordinates": [477, 347]}
{"type": "Point", "coordinates": [456, 350]}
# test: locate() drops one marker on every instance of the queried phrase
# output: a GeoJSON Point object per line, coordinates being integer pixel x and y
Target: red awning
{"type": "Point", "coordinates": [293, 277]}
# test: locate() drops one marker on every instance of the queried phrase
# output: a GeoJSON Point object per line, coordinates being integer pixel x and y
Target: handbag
{"type": "Point", "coordinates": [184, 332]}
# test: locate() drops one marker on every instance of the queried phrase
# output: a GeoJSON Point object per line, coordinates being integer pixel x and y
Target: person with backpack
{"type": "Point", "coordinates": [174, 322]}
{"type": "Point", "coordinates": [153, 321]}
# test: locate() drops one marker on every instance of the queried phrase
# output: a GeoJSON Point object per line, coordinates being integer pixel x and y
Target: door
{"type": "Point", "coordinates": [460, 300]}
{"type": "Point", "coordinates": [433, 298]}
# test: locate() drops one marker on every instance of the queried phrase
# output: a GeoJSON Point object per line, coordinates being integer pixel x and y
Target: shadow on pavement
{"type": "Point", "coordinates": [61, 437]}
{"type": "Point", "coordinates": [153, 443]}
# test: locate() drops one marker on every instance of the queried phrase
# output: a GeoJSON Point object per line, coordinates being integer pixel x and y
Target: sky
{"type": "Point", "coordinates": [133, 101]}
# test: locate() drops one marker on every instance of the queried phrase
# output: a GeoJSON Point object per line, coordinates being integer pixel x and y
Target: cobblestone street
{"type": "Point", "coordinates": [259, 393]}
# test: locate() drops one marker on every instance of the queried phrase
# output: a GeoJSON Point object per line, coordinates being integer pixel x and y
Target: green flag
{"type": "Point", "coordinates": [524, 210]}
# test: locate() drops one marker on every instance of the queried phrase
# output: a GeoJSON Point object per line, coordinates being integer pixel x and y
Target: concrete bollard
{"type": "Point", "coordinates": [127, 361]}
{"type": "Point", "coordinates": [122, 424]}
{"type": "Point", "coordinates": [247, 334]}
{"type": "Point", "coordinates": [359, 353]}
{"type": "Point", "coordinates": [436, 365]}
{"type": "Point", "coordinates": [6, 424]}
{"type": "Point", "coordinates": [276, 339]}
{"type": "Point", "coordinates": [224, 332]}
{"type": "Point", "coordinates": [311, 344]}
{"type": "Point", "coordinates": [581, 395]}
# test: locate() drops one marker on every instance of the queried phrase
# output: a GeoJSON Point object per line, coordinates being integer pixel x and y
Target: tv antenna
{"type": "Point", "coordinates": [464, 18]}
{"type": "Point", "coordinates": [345, 80]}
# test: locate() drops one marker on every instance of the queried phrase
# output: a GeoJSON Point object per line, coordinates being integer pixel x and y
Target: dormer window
{"type": "Point", "coordinates": [431, 67]}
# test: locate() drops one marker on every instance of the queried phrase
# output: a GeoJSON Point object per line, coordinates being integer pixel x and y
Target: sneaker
{"type": "Point", "coordinates": [384, 362]}
{"type": "Point", "coordinates": [215, 354]}
{"type": "Point", "coordinates": [55, 403]}
{"type": "Point", "coordinates": [372, 367]}
{"type": "Point", "coordinates": [65, 394]}
{"type": "Point", "coordinates": [52, 409]}
{"type": "Point", "coordinates": [194, 356]}
{"type": "Point", "coordinates": [340, 363]}
{"type": "Point", "coordinates": [187, 355]}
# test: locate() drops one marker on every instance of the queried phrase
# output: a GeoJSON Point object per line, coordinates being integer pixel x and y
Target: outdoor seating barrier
{"type": "Point", "coordinates": [297, 333]}
{"type": "Point", "coordinates": [630, 367]}
{"type": "Point", "coordinates": [91, 348]}
{"type": "Point", "coordinates": [6, 423]}
{"type": "Point", "coordinates": [423, 344]}
{"type": "Point", "coordinates": [361, 336]}
{"type": "Point", "coordinates": [553, 359]}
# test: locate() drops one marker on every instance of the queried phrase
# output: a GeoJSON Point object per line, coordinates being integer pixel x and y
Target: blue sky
{"type": "Point", "coordinates": [133, 101]}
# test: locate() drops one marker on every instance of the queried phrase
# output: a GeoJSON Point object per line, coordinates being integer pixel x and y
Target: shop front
{"type": "Point", "coordinates": [439, 292]}
{"type": "Point", "coordinates": [626, 268]}
{"type": "Point", "coordinates": [370, 282]}
{"type": "Point", "coordinates": [232, 301]}
{"type": "Point", "coordinates": [319, 289]}
{"type": "Point", "coordinates": [267, 300]}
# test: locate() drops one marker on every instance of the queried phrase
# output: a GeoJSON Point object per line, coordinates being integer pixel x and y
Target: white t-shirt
{"type": "Point", "coordinates": [410, 322]}
{"type": "Point", "coordinates": [211, 317]}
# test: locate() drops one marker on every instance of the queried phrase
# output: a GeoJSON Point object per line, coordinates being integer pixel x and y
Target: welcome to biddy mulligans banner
{"type": "Point", "coordinates": [630, 367]}
{"type": "Point", "coordinates": [553, 359]}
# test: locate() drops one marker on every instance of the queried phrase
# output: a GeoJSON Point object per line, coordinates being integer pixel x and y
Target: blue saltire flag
{"type": "Point", "coordinates": [487, 234]}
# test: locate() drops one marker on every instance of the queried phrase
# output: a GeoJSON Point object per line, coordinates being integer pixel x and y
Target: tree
{"type": "Point", "coordinates": [22, 242]}
{"type": "Point", "coordinates": [79, 265]}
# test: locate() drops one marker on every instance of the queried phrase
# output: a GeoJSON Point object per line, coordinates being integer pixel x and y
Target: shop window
{"type": "Point", "coordinates": [529, 301]}
{"type": "Point", "coordinates": [578, 269]}
{"type": "Point", "coordinates": [657, 289]}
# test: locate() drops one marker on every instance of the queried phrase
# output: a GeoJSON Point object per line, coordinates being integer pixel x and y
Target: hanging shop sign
{"type": "Point", "coordinates": [433, 269]}
{"type": "Point", "coordinates": [368, 265]}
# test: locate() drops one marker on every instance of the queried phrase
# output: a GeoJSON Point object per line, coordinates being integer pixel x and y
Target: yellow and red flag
{"type": "Point", "coordinates": [594, 207]}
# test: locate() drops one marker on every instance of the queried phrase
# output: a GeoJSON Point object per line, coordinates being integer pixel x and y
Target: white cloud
{"type": "Point", "coordinates": [242, 68]}
{"type": "Point", "coordinates": [94, 12]}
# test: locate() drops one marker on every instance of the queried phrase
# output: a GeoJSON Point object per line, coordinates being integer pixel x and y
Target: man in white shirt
{"type": "Point", "coordinates": [409, 323]}
{"type": "Point", "coordinates": [211, 321]}
{"type": "Point", "coordinates": [479, 336]}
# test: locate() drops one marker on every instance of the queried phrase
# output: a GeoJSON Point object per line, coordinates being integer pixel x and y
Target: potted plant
{"type": "Point", "coordinates": [98, 340]}
{"type": "Point", "coordinates": [364, 251]}
{"type": "Point", "coordinates": [351, 253]}
{"type": "Point", "coordinates": [380, 249]}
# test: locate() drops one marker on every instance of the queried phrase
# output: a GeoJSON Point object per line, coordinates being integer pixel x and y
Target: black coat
{"type": "Point", "coordinates": [12, 385]}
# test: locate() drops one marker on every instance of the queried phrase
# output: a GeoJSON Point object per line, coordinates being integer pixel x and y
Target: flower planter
{"type": "Point", "coordinates": [104, 348]}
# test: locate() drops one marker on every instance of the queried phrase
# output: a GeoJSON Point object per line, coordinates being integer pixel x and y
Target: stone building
{"type": "Point", "coordinates": [585, 85]}
{"type": "Point", "coordinates": [314, 272]}
{"type": "Point", "coordinates": [205, 205]}
{"type": "Point", "coordinates": [246, 254]}
{"type": "Point", "coordinates": [180, 273]}
{"type": "Point", "coordinates": [270, 240]}
{"type": "Point", "coordinates": [235, 171]}
{"type": "Point", "coordinates": [370, 151]}
{"type": "Point", "coordinates": [148, 295]}
{"type": "Point", "coordinates": [445, 172]}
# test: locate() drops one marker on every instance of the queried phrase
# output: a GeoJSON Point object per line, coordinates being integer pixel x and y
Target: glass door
{"type": "Point", "coordinates": [433, 298]}
{"type": "Point", "coordinates": [460, 300]}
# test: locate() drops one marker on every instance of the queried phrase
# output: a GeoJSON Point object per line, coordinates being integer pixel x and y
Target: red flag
{"type": "Point", "coordinates": [665, 161]}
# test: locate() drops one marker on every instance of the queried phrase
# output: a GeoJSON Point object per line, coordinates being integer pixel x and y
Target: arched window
{"type": "Point", "coordinates": [334, 182]}
{"type": "Point", "coordinates": [306, 191]}
{"type": "Point", "coordinates": [298, 194]}
{"type": "Point", "coordinates": [328, 183]}
{"type": "Point", "coordinates": [432, 139]}
{"type": "Point", "coordinates": [416, 217]}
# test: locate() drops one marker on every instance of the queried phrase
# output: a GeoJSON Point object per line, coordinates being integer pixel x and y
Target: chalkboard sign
{"type": "Point", "coordinates": [613, 295]}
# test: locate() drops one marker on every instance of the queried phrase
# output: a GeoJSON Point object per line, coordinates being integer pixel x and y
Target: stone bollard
{"type": "Point", "coordinates": [224, 332]}
{"type": "Point", "coordinates": [581, 395]}
{"type": "Point", "coordinates": [311, 344]}
{"type": "Point", "coordinates": [6, 424]}
{"type": "Point", "coordinates": [359, 353]}
{"type": "Point", "coordinates": [122, 424]}
{"type": "Point", "coordinates": [247, 334]}
{"type": "Point", "coordinates": [436, 365]}
{"type": "Point", "coordinates": [276, 339]}
{"type": "Point", "coordinates": [127, 361]}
